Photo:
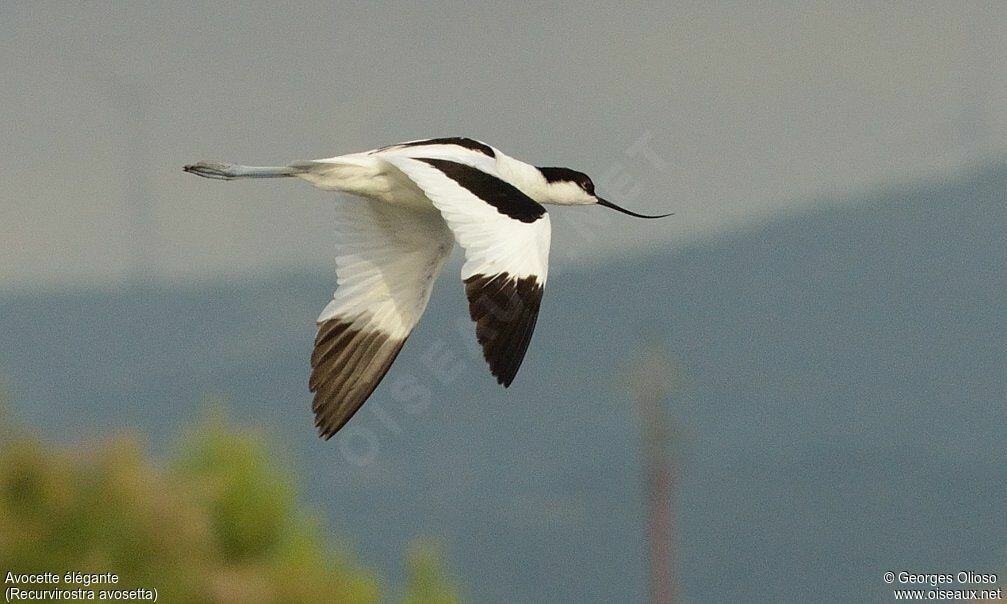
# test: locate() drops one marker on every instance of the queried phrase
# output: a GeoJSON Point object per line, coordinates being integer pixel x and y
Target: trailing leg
{"type": "Point", "coordinates": [225, 171]}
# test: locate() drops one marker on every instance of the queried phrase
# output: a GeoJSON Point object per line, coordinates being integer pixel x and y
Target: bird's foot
{"type": "Point", "coordinates": [212, 169]}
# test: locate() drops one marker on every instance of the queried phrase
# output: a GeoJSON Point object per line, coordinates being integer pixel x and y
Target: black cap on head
{"type": "Point", "coordinates": [554, 175]}
{"type": "Point", "coordinates": [567, 175]}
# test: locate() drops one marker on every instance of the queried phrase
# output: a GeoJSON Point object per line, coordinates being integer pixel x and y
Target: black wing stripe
{"type": "Point", "coordinates": [505, 310]}
{"type": "Point", "coordinates": [465, 143]}
{"type": "Point", "coordinates": [505, 197]}
{"type": "Point", "coordinates": [352, 364]}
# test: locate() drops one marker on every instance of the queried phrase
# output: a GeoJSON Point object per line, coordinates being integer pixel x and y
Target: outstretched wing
{"type": "Point", "coordinates": [506, 239]}
{"type": "Point", "coordinates": [387, 259]}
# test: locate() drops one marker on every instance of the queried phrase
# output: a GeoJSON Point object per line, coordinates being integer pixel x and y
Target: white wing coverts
{"type": "Point", "coordinates": [387, 259]}
{"type": "Point", "coordinates": [506, 239]}
{"type": "Point", "coordinates": [389, 255]}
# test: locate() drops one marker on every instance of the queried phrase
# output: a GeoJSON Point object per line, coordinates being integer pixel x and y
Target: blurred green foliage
{"type": "Point", "coordinates": [427, 583]}
{"type": "Point", "coordinates": [218, 523]}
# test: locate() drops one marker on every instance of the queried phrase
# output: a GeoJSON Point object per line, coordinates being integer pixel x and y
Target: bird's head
{"type": "Point", "coordinates": [572, 188]}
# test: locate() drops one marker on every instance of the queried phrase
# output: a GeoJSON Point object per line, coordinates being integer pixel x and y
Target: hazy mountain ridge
{"type": "Point", "coordinates": [842, 406]}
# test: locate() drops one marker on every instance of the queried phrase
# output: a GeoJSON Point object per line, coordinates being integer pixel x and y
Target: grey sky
{"type": "Point", "coordinates": [751, 109]}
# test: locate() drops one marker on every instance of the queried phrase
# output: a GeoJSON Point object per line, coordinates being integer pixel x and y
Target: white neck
{"type": "Point", "coordinates": [525, 177]}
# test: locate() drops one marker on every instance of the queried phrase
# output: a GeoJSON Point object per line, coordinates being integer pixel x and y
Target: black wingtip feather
{"type": "Point", "coordinates": [505, 310]}
{"type": "Point", "coordinates": [343, 376]}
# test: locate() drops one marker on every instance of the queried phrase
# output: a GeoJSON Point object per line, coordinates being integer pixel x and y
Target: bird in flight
{"type": "Point", "coordinates": [416, 200]}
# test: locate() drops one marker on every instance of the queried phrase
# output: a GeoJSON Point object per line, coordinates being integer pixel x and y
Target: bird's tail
{"type": "Point", "coordinates": [225, 171]}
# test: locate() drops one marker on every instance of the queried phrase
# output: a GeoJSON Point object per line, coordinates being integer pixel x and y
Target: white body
{"type": "Point", "coordinates": [414, 200]}
{"type": "Point", "coordinates": [413, 237]}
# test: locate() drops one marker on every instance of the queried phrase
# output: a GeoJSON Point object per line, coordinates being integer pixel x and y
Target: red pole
{"type": "Point", "coordinates": [658, 482]}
